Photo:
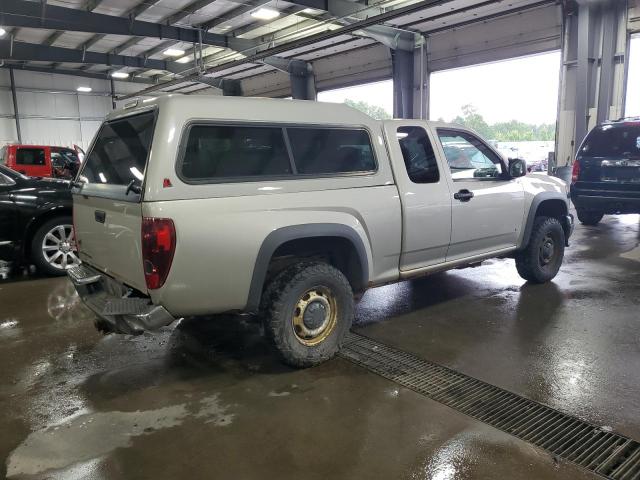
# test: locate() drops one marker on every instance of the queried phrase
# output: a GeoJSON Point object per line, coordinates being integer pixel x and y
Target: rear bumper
{"type": "Point", "coordinates": [607, 204]}
{"type": "Point", "coordinates": [607, 201]}
{"type": "Point", "coordinates": [112, 303]}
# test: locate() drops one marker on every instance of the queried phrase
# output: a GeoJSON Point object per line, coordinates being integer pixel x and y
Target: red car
{"type": "Point", "coordinates": [41, 160]}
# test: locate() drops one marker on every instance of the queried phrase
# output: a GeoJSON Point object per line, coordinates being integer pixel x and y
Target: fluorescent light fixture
{"type": "Point", "coordinates": [225, 27]}
{"type": "Point", "coordinates": [84, 89]}
{"type": "Point", "coordinates": [173, 52]}
{"type": "Point", "coordinates": [119, 74]}
{"type": "Point", "coordinates": [265, 13]}
{"type": "Point", "coordinates": [311, 11]}
{"type": "Point", "coordinates": [103, 179]}
{"type": "Point", "coordinates": [185, 59]}
{"type": "Point", "coordinates": [2, 32]}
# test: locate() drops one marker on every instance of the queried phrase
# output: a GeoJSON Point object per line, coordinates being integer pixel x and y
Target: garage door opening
{"type": "Point", "coordinates": [375, 99]}
{"type": "Point", "coordinates": [513, 103]}
{"type": "Point", "coordinates": [632, 103]}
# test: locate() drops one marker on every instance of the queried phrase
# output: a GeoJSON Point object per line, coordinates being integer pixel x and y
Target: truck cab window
{"type": "Point", "coordinates": [30, 156]}
{"type": "Point", "coordinates": [468, 157]}
{"type": "Point", "coordinates": [419, 157]}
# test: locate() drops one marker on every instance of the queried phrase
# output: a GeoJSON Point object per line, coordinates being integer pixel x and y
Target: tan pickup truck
{"type": "Point", "coordinates": [193, 205]}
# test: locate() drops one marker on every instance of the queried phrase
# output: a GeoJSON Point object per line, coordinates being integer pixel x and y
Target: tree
{"type": "Point", "coordinates": [511, 131]}
{"type": "Point", "coordinates": [374, 111]}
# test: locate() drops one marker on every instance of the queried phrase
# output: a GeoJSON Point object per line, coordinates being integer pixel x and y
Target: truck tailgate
{"type": "Point", "coordinates": [108, 233]}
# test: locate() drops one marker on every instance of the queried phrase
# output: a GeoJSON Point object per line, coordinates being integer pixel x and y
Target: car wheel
{"type": "Point", "coordinates": [589, 217]}
{"type": "Point", "coordinates": [53, 248]}
{"type": "Point", "coordinates": [540, 261]}
{"type": "Point", "coordinates": [307, 311]}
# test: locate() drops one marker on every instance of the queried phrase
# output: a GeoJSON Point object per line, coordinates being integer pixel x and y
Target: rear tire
{"type": "Point", "coordinates": [307, 311]}
{"type": "Point", "coordinates": [540, 261]}
{"type": "Point", "coordinates": [589, 217]}
{"type": "Point", "coordinates": [53, 247]}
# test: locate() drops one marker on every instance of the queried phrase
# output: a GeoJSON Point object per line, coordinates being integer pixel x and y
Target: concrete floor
{"type": "Point", "coordinates": [208, 400]}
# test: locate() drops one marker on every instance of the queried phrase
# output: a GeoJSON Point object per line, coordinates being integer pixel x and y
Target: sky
{"type": "Point", "coordinates": [632, 107]}
{"type": "Point", "coordinates": [524, 89]}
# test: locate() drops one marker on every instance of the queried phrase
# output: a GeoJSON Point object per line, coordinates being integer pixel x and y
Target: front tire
{"type": "Point", "coordinates": [53, 247]}
{"type": "Point", "coordinates": [540, 261]}
{"type": "Point", "coordinates": [307, 310]}
{"type": "Point", "coordinates": [589, 217]}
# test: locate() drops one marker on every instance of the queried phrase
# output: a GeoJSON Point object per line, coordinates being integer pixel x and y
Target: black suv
{"type": "Point", "coordinates": [36, 221]}
{"type": "Point", "coordinates": [606, 173]}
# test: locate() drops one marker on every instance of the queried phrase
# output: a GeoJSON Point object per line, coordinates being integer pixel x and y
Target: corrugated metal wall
{"type": "Point", "coordinates": [51, 111]}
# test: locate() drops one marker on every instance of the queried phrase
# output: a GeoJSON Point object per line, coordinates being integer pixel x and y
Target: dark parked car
{"type": "Point", "coordinates": [36, 221]}
{"type": "Point", "coordinates": [606, 173]}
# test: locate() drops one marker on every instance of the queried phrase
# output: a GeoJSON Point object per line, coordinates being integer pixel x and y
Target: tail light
{"type": "Point", "coordinates": [158, 247]}
{"type": "Point", "coordinates": [575, 173]}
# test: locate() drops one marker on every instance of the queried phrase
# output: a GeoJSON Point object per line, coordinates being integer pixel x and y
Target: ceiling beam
{"type": "Point", "coordinates": [40, 53]}
{"type": "Point", "coordinates": [77, 73]}
{"type": "Point", "coordinates": [20, 13]}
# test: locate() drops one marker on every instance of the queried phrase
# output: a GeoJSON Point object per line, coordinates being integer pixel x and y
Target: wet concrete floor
{"type": "Point", "coordinates": [209, 400]}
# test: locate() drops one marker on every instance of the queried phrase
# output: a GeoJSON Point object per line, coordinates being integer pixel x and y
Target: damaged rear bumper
{"type": "Point", "coordinates": [113, 304]}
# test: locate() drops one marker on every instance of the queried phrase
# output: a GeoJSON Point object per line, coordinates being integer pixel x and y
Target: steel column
{"type": "Point", "coordinates": [583, 73]}
{"type": "Point", "coordinates": [594, 56]}
{"type": "Point", "coordinates": [402, 66]}
{"type": "Point", "coordinates": [410, 81]}
{"type": "Point", "coordinates": [113, 93]}
{"type": "Point", "coordinates": [16, 113]}
{"type": "Point", "coordinates": [301, 77]}
{"type": "Point", "coordinates": [303, 82]}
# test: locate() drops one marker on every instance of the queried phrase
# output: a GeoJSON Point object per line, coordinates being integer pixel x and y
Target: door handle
{"type": "Point", "coordinates": [463, 195]}
{"type": "Point", "coordinates": [100, 216]}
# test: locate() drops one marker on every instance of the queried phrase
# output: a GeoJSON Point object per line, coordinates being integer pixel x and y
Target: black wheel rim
{"type": "Point", "coordinates": [547, 250]}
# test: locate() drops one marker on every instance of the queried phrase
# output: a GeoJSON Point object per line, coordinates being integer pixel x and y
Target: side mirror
{"type": "Point", "coordinates": [517, 167]}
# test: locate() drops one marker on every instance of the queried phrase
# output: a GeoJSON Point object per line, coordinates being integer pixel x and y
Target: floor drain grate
{"type": "Point", "coordinates": [603, 452]}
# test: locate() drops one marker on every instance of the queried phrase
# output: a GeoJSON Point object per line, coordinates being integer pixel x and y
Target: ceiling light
{"type": "Point", "coordinates": [2, 31]}
{"type": "Point", "coordinates": [84, 89]}
{"type": "Point", "coordinates": [174, 52]}
{"type": "Point", "coordinates": [225, 27]}
{"type": "Point", "coordinates": [186, 59]}
{"type": "Point", "coordinates": [311, 11]}
{"type": "Point", "coordinates": [265, 14]}
{"type": "Point", "coordinates": [119, 74]}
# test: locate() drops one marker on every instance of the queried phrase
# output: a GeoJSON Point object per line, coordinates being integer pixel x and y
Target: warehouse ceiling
{"type": "Point", "coordinates": [188, 45]}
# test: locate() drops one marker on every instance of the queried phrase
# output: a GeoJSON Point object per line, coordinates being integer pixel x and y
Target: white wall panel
{"type": "Point", "coordinates": [93, 106]}
{"type": "Point", "coordinates": [51, 111]}
{"type": "Point", "coordinates": [50, 132]}
{"type": "Point", "coordinates": [88, 130]}
{"type": "Point", "coordinates": [7, 130]}
{"type": "Point", "coordinates": [6, 102]}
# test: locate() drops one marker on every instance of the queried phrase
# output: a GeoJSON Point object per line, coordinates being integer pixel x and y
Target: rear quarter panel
{"type": "Point", "coordinates": [218, 240]}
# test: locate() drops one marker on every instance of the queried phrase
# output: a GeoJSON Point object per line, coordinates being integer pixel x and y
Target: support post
{"type": "Point", "coordinates": [303, 81]}
{"type": "Point", "coordinates": [594, 62]}
{"type": "Point", "coordinates": [301, 76]}
{"type": "Point", "coordinates": [16, 113]}
{"type": "Point", "coordinates": [410, 80]}
{"type": "Point", "coordinates": [113, 93]}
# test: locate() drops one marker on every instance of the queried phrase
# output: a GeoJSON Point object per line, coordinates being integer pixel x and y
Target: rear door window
{"type": "Point", "coordinates": [120, 151]}
{"type": "Point", "coordinates": [612, 141]}
{"type": "Point", "coordinates": [30, 156]}
{"type": "Point", "coordinates": [215, 152]}
{"type": "Point", "coordinates": [419, 157]}
{"type": "Point", "coordinates": [331, 150]}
